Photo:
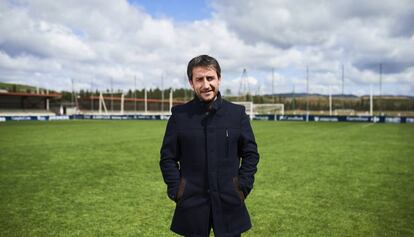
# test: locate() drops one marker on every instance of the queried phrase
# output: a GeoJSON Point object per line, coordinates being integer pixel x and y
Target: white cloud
{"type": "Point", "coordinates": [326, 34]}
{"type": "Point", "coordinates": [53, 42]}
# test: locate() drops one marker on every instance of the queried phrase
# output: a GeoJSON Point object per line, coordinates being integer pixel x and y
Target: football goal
{"type": "Point", "coordinates": [253, 109]}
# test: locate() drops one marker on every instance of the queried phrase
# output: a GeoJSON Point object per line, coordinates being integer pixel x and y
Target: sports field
{"type": "Point", "coordinates": [102, 178]}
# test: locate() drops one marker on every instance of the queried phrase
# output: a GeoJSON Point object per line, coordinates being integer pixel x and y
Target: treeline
{"type": "Point", "coordinates": [178, 94]}
{"type": "Point", "coordinates": [291, 101]}
{"type": "Point", "coordinates": [320, 102]}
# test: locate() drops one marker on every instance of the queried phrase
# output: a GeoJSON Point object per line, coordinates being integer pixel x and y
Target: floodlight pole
{"type": "Point", "coordinates": [380, 89]}
{"type": "Point", "coordinates": [47, 100]}
{"type": "Point", "coordinates": [371, 104]}
{"type": "Point", "coordinates": [293, 98]}
{"type": "Point", "coordinates": [122, 104]}
{"type": "Point", "coordinates": [343, 87]}
{"type": "Point", "coordinates": [244, 88]}
{"type": "Point", "coordinates": [343, 80]}
{"type": "Point", "coordinates": [73, 91]}
{"type": "Point", "coordinates": [162, 93]}
{"type": "Point", "coordinates": [273, 84]}
{"type": "Point", "coordinates": [74, 97]}
{"type": "Point", "coordinates": [135, 94]}
{"type": "Point", "coordinates": [145, 100]}
{"type": "Point", "coordinates": [307, 93]}
{"type": "Point", "coordinates": [112, 97]}
{"type": "Point", "coordinates": [92, 95]}
{"type": "Point", "coordinates": [171, 99]}
{"type": "Point", "coordinates": [100, 103]}
{"type": "Point", "coordinates": [330, 101]}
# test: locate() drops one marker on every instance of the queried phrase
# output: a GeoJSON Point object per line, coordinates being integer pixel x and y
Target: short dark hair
{"type": "Point", "coordinates": [203, 61]}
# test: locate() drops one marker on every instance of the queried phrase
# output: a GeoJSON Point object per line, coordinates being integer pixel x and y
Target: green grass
{"type": "Point", "coordinates": [101, 178]}
{"type": "Point", "coordinates": [18, 87]}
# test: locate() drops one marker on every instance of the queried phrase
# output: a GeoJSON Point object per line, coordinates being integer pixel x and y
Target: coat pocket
{"type": "Point", "coordinates": [181, 188]}
{"type": "Point", "coordinates": [229, 193]}
{"type": "Point", "coordinates": [237, 187]}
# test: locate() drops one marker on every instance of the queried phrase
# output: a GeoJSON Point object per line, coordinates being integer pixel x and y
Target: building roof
{"type": "Point", "coordinates": [25, 94]}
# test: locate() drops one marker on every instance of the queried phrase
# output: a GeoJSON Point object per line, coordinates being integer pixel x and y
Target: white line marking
{"type": "Point", "coordinates": [367, 125]}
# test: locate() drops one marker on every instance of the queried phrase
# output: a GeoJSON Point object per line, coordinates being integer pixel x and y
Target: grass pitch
{"type": "Point", "coordinates": [102, 178]}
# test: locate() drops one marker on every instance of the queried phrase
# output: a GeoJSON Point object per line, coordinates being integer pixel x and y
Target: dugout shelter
{"type": "Point", "coordinates": [27, 103]}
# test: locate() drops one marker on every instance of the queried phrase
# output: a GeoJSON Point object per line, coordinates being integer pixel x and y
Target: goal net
{"type": "Point", "coordinates": [269, 109]}
{"type": "Point", "coordinates": [253, 109]}
{"type": "Point", "coordinates": [249, 107]}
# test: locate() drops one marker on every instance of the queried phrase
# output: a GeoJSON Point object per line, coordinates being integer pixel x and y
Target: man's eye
{"type": "Point", "coordinates": [210, 78]}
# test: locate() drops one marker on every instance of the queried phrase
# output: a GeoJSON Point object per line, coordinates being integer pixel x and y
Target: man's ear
{"type": "Point", "coordinates": [191, 84]}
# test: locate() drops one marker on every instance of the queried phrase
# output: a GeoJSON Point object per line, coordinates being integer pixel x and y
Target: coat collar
{"type": "Point", "coordinates": [214, 106]}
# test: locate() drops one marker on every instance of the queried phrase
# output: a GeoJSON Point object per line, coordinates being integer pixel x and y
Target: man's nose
{"type": "Point", "coordinates": [205, 83]}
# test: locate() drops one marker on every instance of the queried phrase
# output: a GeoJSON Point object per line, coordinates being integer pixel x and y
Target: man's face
{"type": "Point", "coordinates": [205, 83]}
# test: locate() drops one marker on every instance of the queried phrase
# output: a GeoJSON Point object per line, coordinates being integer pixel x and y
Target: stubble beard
{"type": "Point", "coordinates": [210, 98]}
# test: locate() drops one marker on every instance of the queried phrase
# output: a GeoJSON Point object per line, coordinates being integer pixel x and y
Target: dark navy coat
{"type": "Point", "coordinates": [208, 161]}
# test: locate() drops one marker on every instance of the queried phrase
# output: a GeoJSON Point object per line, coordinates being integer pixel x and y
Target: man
{"type": "Point", "coordinates": [208, 158]}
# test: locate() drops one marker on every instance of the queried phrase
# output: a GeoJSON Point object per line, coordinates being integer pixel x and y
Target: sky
{"type": "Point", "coordinates": [96, 44]}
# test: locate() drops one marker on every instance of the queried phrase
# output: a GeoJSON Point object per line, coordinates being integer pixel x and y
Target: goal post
{"type": "Point", "coordinates": [253, 109]}
{"type": "Point", "coordinates": [269, 109]}
{"type": "Point", "coordinates": [249, 107]}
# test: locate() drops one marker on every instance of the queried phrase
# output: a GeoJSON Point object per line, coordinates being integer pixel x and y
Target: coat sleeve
{"type": "Point", "coordinates": [249, 154]}
{"type": "Point", "coordinates": [169, 158]}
